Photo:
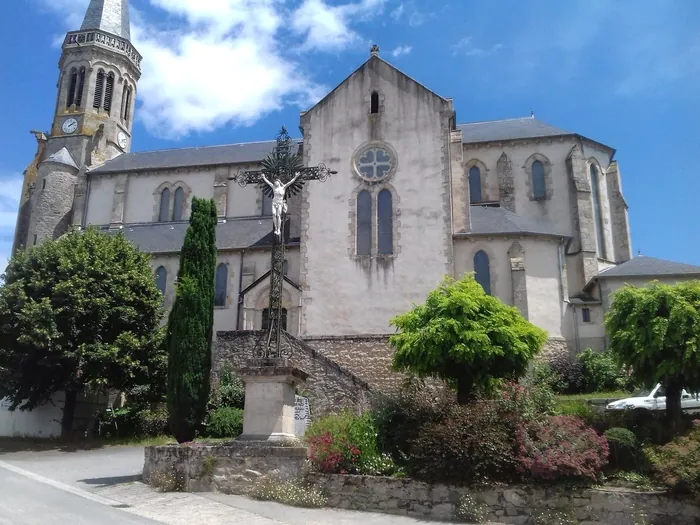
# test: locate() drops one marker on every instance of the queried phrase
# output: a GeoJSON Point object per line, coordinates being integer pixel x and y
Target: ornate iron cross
{"type": "Point", "coordinates": [283, 173]}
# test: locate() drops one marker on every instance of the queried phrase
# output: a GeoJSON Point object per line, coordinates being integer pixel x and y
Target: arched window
{"type": "Point", "coordinates": [99, 89]}
{"type": "Point", "coordinates": [164, 205]}
{"type": "Point", "coordinates": [109, 91]}
{"type": "Point", "coordinates": [179, 204]}
{"type": "Point", "coordinates": [266, 319]}
{"type": "Point", "coordinates": [81, 87]}
{"type": "Point", "coordinates": [374, 103]}
{"type": "Point", "coordinates": [385, 244]}
{"type": "Point", "coordinates": [266, 204]}
{"type": "Point", "coordinates": [482, 271]}
{"type": "Point", "coordinates": [70, 100]}
{"type": "Point", "coordinates": [364, 223]}
{"type": "Point", "coordinates": [161, 279]}
{"type": "Point", "coordinates": [597, 211]}
{"type": "Point", "coordinates": [474, 185]}
{"type": "Point", "coordinates": [539, 190]}
{"type": "Point", "coordinates": [126, 104]}
{"type": "Point", "coordinates": [221, 285]}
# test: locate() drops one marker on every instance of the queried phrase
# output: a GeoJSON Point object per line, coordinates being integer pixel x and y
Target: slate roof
{"type": "Point", "coordinates": [494, 220]}
{"type": "Point", "coordinates": [517, 128]}
{"type": "Point", "coordinates": [111, 16]}
{"type": "Point", "coordinates": [168, 237]}
{"type": "Point", "coordinates": [189, 157]}
{"type": "Point", "coordinates": [643, 266]}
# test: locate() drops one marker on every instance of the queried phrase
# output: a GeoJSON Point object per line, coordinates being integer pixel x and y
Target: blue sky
{"type": "Point", "coordinates": [218, 71]}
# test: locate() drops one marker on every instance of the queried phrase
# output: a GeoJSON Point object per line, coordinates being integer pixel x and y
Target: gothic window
{"type": "Point", "coordinates": [364, 223]}
{"type": "Point", "coordinates": [221, 284]}
{"type": "Point", "coordinates": [385, 244]}
{"type": "Point", "coordinates": [99, 89]}
{"type": "Point", "coordinates": [539, 190]}
{"type": "Point", "coordinates": [81, 87]}
{"type": "Point", "coordinates": [374, 103]}
{"type": "Point", "coordinates": [71, 87]}
{"type": "Point", "coordinates": [482, 271]}
{"type": "Point", "coordinates": [179, 204]}
{"type": "Point", "coordinates": [109, 91]}
{"type": "Point", "coordinates": [164, 205]}
{"type": "Point", "coordinates": [161, 279]}
{"type": "Point", "coordinates": [127, 104]}
{"type": "Point", "coordinates": [474, 185]}
{"type": "Point", "coordinates": [266, 319]}
{"type": "Point", "coordinates": [266, 204]}
{"type": "Point", "coordinates": [597, 211]}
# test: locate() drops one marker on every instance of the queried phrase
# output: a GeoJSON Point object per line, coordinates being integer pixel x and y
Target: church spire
{"type": "Point", "coordinates": [111, 16]}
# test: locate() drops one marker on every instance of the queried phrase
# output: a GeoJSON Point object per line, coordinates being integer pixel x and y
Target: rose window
{"type": "Point", "coordinates": [374, 164]}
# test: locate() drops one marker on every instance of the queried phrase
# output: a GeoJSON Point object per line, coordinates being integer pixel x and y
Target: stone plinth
{"type": "Point", "coordinates": [268, 414]}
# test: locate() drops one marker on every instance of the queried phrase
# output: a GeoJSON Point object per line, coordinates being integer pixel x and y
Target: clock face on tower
{"type": "Point", "coordinates": [122, 140]}
{"type": "Point", "coordinates": [70, 125]}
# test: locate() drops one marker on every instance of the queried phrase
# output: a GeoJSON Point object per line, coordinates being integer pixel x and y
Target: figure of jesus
{"type": "Point", "coordinates": [279, 204]}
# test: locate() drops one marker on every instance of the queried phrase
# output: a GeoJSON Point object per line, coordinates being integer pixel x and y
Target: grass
{"type": "Point", "coordinates": [595, 395]}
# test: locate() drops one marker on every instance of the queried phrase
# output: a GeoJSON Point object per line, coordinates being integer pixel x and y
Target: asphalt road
{"type": "Point", "coordinates": [25, 501]}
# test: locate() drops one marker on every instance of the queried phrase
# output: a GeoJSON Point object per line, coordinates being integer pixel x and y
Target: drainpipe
{"type": "Point", "coordinates": [239, 311]}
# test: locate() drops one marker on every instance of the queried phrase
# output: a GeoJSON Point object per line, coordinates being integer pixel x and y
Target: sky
{"type": "Point", "coordinates": [624, 73]}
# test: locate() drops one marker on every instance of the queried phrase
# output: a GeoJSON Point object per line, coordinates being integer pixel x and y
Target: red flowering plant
{"type": "Point", "coordinates": [333, 454]}
{"type": "Point", "coordinates": [560, 447]}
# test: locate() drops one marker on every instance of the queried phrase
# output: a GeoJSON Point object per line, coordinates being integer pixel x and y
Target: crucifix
{"type": "Point", "coordinates": [282, 174]}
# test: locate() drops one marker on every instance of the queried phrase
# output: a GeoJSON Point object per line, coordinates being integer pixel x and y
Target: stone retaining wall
{"type": "Point", "coordinates": [229, 469]}
{"type": "Point", "coordinates": [516, 505]}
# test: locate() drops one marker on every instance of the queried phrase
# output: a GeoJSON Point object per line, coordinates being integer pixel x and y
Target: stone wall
{"type": "Point", "coordinates": [516, 505]}
{"type": "Point", "coordinates": [329, 387]}
{"type": "Point", "coordinates": [230, 469]}
{"type": "Point", "coordinates": [368, 356]}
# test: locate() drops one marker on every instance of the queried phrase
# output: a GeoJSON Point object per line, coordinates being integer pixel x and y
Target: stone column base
{"type": "Point", "coordinates": [268, 414]}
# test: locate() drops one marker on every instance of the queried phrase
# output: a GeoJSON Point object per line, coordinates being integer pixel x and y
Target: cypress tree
{"type": "Point", "coordinates": [191, 323]}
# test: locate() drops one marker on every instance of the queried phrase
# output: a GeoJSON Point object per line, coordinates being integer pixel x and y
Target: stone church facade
{"type": "Point", "coordinates": [537, 212]}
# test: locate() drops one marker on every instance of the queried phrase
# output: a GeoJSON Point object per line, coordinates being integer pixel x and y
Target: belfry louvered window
{"type": "Point", "coordinates": [70, 100]}
{"type": "Point", "coordinates": [109, 91]}
{"type": "Point", "coordinates": [126, 104]}
{"type": "Point", "coordinates": [81, 87]}
{"type": "Point", "coordinates": [99, 89]}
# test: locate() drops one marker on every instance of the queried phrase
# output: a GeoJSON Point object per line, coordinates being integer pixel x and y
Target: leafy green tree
{"type": "Point", "coordinates": [190, 324]}
{"type": "Point", "coordinates": [463, 335]}
{"type": "Point", "coordinates": [655, 331]}
{"type": "Point", "coordinates": [78, 314]}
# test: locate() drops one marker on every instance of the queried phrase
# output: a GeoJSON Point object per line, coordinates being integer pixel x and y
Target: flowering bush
{"type": "Point", "coordinates": [333, 454]}
{"type": "Point", "coordinates": [290, 492]}
{"type": "Point", "coordinates": [560, 447]}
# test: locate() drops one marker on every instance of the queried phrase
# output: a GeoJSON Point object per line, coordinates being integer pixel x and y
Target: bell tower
{"type": "Point", "coordinates": [99, 70]}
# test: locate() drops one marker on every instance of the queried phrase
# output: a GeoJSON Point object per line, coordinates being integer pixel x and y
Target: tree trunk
{"type": "Point", "coordinates": [68, 413]}
{"type": "Point", "coordinates": [465, 387]}
{"type": "Point", "coordinates": [674, 412]}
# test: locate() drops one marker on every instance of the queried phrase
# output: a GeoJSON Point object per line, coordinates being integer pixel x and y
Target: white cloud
{"type": "Point", "coordinates": [10, 193]}
{"type": "Point", "coordinates": [466, 47]}
{"type": "Point", "coordinates": [401, 50]}
{"type": "Point", "coordinates": [326, 27]}
{"type": "Point", "coordinates": [397, 13]}
{"type": "Point", "coordinates": [209, 63]}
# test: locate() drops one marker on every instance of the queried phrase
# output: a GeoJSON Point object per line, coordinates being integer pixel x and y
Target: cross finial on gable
{"type": "Point", "coordinates": [374, 51]}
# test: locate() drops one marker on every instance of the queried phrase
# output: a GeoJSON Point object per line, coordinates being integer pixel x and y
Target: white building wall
{"type": "Point", "coordinates": [42, 422]}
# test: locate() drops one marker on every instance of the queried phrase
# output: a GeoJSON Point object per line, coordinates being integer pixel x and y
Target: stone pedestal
{"type": "Point", "coordinates": [268, 414]}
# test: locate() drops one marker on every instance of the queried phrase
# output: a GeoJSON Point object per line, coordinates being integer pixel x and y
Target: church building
{"type": "Point", "coordinates": [537, 212]}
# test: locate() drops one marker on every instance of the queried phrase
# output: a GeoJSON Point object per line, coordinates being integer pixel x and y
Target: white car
{"type": "Point", "coordinates": [655, 399]}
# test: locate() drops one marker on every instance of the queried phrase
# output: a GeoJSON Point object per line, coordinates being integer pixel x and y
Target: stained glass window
{"type": "Point", "coordinates": [482, 270]}
{"type": "Point", "coordinates": [474, 185]}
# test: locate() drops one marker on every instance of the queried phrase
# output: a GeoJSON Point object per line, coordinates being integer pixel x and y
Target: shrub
{"type": "Point", "coordinates": [560, 447]}
{"type": "Point", "coordinates": [600, 372]}
{"type": "Point", "coordinates": [560, 516]}
{"type": "Point", "coordinates": [292, 493]}
{"type": "Point", "coordinates": [225, 422]}
{"type": "Point", "coordinates": [542, 373]}
{"type": "Point", "coordinates": [570, 371]}
{"type": "Point", "coordinates": [530, 402]}
{"type": "Point", "coordinates": [133, 422]}
{"type": "Point", "coordinates": [677, 464]}
{"type": "Point", "coordinates": [470, 510]}
{"type": "Point", "coordinates": [467, 444]}
{"type": "Point", "coordinates": [625, 452]}
{"type": "Point", "coordinates": [228, 392]}
{"type": "Point", "coordinates": [344, 443]}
